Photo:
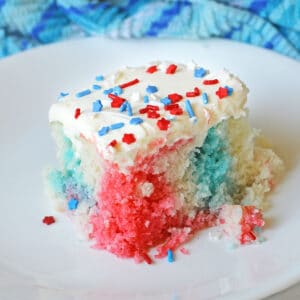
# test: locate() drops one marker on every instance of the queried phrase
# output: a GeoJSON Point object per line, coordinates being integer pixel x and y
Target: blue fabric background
{"type": "Point", "coordinates": [273, 24]}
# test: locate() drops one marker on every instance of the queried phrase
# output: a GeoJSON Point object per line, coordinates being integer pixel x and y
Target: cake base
{"type": "Point", "coordinates": [165, 198]}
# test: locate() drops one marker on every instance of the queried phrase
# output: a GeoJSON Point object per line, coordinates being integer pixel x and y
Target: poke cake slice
{"type": "Point", "coordinates": [150, 155]}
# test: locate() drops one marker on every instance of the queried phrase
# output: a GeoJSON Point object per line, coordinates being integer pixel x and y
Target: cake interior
{"type": "Point", "coordinates": [166, 197]}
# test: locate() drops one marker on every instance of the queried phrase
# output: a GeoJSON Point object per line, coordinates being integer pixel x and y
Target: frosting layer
{"type": "Point", "coordinates": [139, 109]}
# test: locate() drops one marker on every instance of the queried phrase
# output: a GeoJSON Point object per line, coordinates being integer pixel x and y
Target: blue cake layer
{"type": "Point", "coordinates": [69, 183]}
{"type": "Point", "coordinates": [213, 168]}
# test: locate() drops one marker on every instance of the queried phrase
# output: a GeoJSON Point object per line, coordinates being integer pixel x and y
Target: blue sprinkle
{"type": "Point", "coordinates": [151, 89]}
{"type": "Point", "coordinates": [229, 90]}
{"type": "Point", "coordinates": [123, 106]}
{"type": "Point", "coordinates": [117, 90]}
{"type": "Point", "coordinates": [103, 131]}
{"type": "Point", "coordinates": [204, 98]}
{"type": "Point", "coordinates": [108, 91]}
{"type": "Point", "coordinates": [170, 256]}
{"type": "Point", "coordinates": [97, 106]}
{"type": "Point", "coordinates": [83, 93]}
{"type": "Point", "coordinates": [129, 109]}
{"type": "Point", "coordinates": [189, 108]}
{"type": "Point", "coordinates": [146, 99]}
{"type": "Point", "coordinates": [96, 87]}
{"type": "Point", "coordinates": [72, 204]}
{"type": "Point", "coordinates": [136, 121]}
{"type": "Point", "coordinates": [116, 126]}
{"type": "Point", "coordinates": [199, 72]}
{"type": "Point", "coordinates": [99, 77]}
{"type": "Point", "coordinates": [261, 239]}
{"type": "Point", "coordinates": [165, 101]}
{"type": "Point", "coordinates": [62, 94]}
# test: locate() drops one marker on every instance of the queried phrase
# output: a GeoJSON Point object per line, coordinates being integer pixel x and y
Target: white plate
{"type": "Point", "coordinates": [40, 262]}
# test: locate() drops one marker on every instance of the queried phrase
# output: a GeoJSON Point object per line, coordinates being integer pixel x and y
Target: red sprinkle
{"type": "Point", "coordinates": [113, 143]}
{"type": "Point", "coordinates": [211, 82]}
{"type": "Point", "coordinates": [171, 106]}
{"type": "Point", "coordinates": [147, 258]}
{"type": "Point", "coordinates": [175, 97]}
{"type": "Point", "coordinates": [143, 110]}
{"type": "Point", "coordinates": [114, 97]}
{"type": "Point", "coordinates": [129, 83]}
{"type": "Point", "coordinates": [77, 113]}
{"type": "Point", "coordinates": [152, 107]}
{"type": "Point", "coordinates": [190, 94]}
{"type": "Point", "coordinates": [222, 92]}
{"type": "Point", "coordinates": [48, 220]}
{"type": "Point", "coordinates": [163, 124]}
{"type": "Point", "coordinates": [195, 93]}
{"type": "Point", "coordinates": [128, 138]}
{"type": "Point", "coordinates": [176, 111]}
{"type": "Point", "coordinates": [171, 69]}
{"type": "Point", "coordinates": [151, 69]}
{"type": "Point", "coordinates": [116, 100]}
{"type": "Point", "coordinates": [152, 114]}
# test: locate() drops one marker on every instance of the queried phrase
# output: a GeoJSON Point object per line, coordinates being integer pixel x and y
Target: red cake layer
{"type": "Point", "coordinates": [128, 224]}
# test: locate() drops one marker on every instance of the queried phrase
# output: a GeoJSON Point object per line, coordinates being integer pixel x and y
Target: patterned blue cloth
{"type": "Point", "coordinates": [272, 24]}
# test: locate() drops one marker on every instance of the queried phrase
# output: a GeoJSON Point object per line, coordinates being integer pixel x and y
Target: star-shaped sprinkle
{"type": "Point", "coordinates": [128, 138]}
{"type": "Point", "coordinates": [222, 92]}
{"type": "Point", "coordinates": [97, 106]}
{"type": "Point", "coordinates": [163, 124]}
{"type": "Point", "coordinates": [48, 220]}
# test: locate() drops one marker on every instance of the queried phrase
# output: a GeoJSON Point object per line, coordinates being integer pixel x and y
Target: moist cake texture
{"type": "Point", "coordinates": [150, 155]}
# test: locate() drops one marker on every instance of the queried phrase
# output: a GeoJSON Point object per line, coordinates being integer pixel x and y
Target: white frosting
{"type": "Point", "coordinates": [207, 115]}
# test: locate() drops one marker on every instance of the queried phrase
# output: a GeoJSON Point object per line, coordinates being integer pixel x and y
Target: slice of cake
{"type": "Point", "coordinates": [151, 155]}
